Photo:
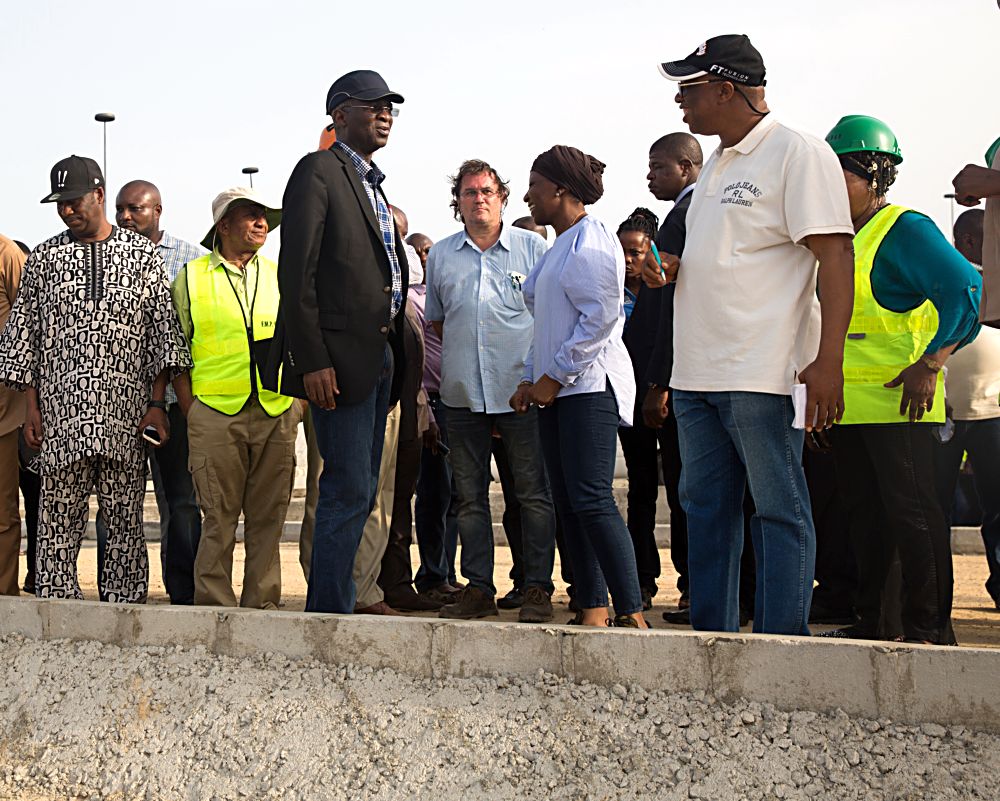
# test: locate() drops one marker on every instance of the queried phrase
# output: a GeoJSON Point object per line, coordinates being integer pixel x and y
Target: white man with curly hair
{"type": "Point", "coordinates": [474, 301]}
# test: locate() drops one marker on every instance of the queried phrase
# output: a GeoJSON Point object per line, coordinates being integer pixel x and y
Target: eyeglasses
{"type": "Point", "coordinates": [682, 86]}
{"type": "Point", "coordinates": [377, 109]}
{"type": "Point", "coordinates": [472, 194]}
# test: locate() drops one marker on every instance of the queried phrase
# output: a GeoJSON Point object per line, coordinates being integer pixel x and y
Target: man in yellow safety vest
{"type": "Point", "coordinates": [241, 435]}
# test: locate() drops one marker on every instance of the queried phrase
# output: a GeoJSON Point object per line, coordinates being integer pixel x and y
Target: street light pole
{"type": "Point", "coordinates": [251, 171]}
{"type": "Point", "coordinates": [104, 118]}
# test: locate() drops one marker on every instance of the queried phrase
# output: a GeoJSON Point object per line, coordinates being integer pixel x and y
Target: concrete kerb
{"type": "Point", "coordinates": [908, 683]}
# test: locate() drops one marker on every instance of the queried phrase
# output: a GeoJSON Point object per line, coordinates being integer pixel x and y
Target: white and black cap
{"type": "Point", "coordinates": [731, 57]}
{"type": "Point", "coordinates": [73, 177]}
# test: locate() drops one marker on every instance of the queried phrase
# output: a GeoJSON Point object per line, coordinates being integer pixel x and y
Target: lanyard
{"type": "Point", "coordinates": [248, 325]}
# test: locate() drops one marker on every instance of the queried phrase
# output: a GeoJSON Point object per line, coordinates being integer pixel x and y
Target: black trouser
{"type": "Point", "coordinates": [886, 479]}
{"type": "Point", "coordinates": [639, 444]}
{"type": "Point", "coordinates": [396, 575]}
{"type": "Point", "coordinates": [512, 524]}
{"type": "Point", "coordinates": [836, 572]}
{"type": "Point", "coordinates": [31, 490]}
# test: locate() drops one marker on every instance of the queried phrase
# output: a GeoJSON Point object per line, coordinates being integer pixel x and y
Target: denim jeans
{"type": "Point", "coordinates": [350, 440]}
{"type": "Point", "coordinates": [981, 438]}
{"type": "Point", "coordinates": [730, 439]}
{"type": "Point", "coordinates": [579, 437]}
{"type": "Point", "coordinates": [470, 436]}
{"type": "Point", "coordinates": [434, 511]}
{"type": "Point", "coordinates": [180, 517]}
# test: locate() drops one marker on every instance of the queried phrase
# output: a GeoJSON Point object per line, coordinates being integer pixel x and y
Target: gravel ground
{"type": "Point", "coordinates": [86, 720]}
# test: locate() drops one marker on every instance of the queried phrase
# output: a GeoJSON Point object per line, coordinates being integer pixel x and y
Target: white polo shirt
{"type": "Point", "coordinates": [746, 316]}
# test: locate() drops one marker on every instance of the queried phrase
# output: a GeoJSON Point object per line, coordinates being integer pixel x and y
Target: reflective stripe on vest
{"type": "Point", "coordinates": [220, 347]}
{"type": "Point", "coordinates": [882, 343]}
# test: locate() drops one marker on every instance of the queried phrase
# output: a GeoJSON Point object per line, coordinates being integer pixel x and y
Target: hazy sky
{"type": "Point", "coordinates": [202, 89]}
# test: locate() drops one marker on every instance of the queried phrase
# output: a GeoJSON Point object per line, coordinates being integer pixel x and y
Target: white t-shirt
{"type": "Point", "coordinates": [972, 385]}
{"type": "Point", "coordinates": [746, 317]}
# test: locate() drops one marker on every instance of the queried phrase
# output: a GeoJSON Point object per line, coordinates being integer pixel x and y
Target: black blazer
{"type": "Point", "coordinates": [335, 283]}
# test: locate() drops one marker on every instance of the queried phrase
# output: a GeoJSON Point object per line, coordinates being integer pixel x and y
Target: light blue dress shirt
{"type": "Point", "coordinates": [175, 253]}
{"type": "Point", "coordinates": [487, 327]}
{"type": "Point", "coordinates": [577, 288]}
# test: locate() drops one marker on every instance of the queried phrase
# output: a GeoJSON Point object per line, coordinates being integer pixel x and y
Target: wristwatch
{"type": "Point", "coordinates": [155, 404]}
{"type": "Point", "coordinates": [930, 364]}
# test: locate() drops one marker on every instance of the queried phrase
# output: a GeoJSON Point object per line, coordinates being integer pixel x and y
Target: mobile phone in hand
{"type": "Point", "coordinates": [442, 449]}
{"type": "Point", "coordinates": [150, 434]}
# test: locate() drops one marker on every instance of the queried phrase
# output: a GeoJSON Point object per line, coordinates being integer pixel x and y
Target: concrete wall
{"type": "Point", "coordinates": [908, 683]}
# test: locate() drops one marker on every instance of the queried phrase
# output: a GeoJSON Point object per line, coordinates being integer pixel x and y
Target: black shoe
{"type": "Point", "coordinates": [407, 600]}
{"type": "Point", "coordinates": [512, 600]}
{"type": "Point", "coordinates": [819, 613]}
{"type": "Point", "coordinates": [746, 615]}
{"type": "Point", "coordinates": [627, 622]}
{"type": "Point", "coordinates": [29, 586]}
{"type": "Point", "coordinates": [647, 598]}
{"type": "Point", "coordinates": [854, 632]}
{"type": "Point", "coordinates": [679, 617]}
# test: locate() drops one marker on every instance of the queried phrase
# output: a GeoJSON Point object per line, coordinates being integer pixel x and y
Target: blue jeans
{"type": "Point", "coordinates": [579, 438]}
{"type": "Point", "coordinates": [350, 440]}
{"type": "Point", "coordinates": [434, 512]}
{"type": "Point", "coordinates": [470, 436]}
{"type": "Point", "coordinates": [729, 439]}
{"type": "Point", "coordinates": [981, 438]}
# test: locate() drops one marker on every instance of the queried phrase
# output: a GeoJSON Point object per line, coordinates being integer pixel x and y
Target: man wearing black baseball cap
{"type": "Point", "coordinates": [768, 204]}
{"type": "Point", "coordinates": [92, 339]}
{"type": "Point", "coordinates": [339, 338]}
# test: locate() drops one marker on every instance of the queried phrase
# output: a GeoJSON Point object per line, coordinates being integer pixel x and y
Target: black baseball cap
{"type": "Point", "coordinates": [73, 177]}
{"type": "Point", "coordinates": [361, 85]}
{"type": "Point", "coordinates": [731, 57]}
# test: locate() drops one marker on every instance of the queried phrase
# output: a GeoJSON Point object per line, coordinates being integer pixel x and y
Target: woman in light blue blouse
{"type": "Point", "coordinates": [579, 374]}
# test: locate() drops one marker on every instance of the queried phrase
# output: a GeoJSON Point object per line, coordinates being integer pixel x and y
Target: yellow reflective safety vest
{"type": "Point", "coordinates": [881, 343]}
{"type": "Point", "coordinates": [220, 347]}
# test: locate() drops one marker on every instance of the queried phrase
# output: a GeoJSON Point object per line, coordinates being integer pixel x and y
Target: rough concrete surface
{"type": "Point", "coordinates": [89, 720]}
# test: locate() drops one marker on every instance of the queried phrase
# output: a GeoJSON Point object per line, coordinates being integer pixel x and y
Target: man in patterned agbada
{"type": "Point", "coordinates": [92, 339]}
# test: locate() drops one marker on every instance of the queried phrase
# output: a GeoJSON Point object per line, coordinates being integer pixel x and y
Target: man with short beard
{"type": "Point", "coordinates": [138, 208]}
{"type": "Point", "coordinates": [92, 338]}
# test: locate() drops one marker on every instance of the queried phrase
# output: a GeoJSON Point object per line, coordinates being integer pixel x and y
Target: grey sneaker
{"type": "Point", "coordinates": [471, 604]}
{"type": "Point", "coordinates": [537, 606]}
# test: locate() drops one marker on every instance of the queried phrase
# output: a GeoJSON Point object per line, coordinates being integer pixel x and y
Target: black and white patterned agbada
{"type": "Point", "coordinates": [91, 328]}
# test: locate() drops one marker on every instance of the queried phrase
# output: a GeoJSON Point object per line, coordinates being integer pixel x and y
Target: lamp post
{"type": "Point", "coordinates": [104, 118]}
{"type": "Point", "coordinates": [951, 201]}
{"type": "Point", "coordinates": [250, 171]}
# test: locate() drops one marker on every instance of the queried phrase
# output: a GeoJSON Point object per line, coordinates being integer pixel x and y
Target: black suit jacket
{"type": "Point", "coordinates": [335, 282]}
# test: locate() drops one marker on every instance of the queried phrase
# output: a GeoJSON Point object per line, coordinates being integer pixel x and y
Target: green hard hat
{"type": "Point", "coordinates": [857, 133]}
{"type": "Point", "coordinates": [992, 152]}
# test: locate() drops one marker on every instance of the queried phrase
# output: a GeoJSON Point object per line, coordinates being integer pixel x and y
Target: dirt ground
{"type": "Point", "coordinates": [977, 622]}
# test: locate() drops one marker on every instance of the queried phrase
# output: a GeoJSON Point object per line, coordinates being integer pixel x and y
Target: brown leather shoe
{"type": "Point", "coordinates": [381, 608]}
{"type": "Point", "coordinates": [443, 594]}
{"type": "Point", "coordinates": [537, 606]}
{"type": "Point", "coordinates": [471, 604]}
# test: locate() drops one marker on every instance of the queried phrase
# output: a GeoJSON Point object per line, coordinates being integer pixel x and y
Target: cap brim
{"type": "Point", "coordinates": [55, 197]}
{"type": "Point", "coordinates": [680, 71]}
{"type": "Point", "coordinates": [395, 98]}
